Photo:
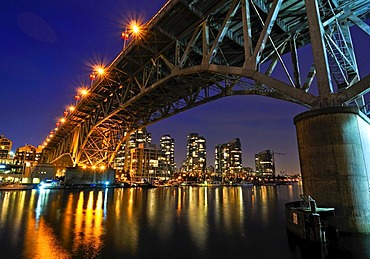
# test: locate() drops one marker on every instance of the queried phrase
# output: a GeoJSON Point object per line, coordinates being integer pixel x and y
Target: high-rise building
{"type": "Point", "coordinates": [136, 138]}
{"type": "Point", "coordinates": [196, 153]}
{"type": "Point", "coordinates": [167, 160]}
{"type": "Point", "coordinates": [140, 136]}
{"type": "Point", "coordinates": [228, 157]}
{"type": "Point", "coordinates": [144, 161]}
{"type": "Point", "coordinates": [265, 164]}
{"type": "Point", "coordinates": [5, 147]}
{"type": "Point", "coordinates": [221, 158]}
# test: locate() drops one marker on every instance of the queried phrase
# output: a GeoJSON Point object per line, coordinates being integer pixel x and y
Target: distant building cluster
{"type": "Point", "coordinates": [14, 164]}
{"type": "Point", "coordinates": [144, 159]}
{"type": "Point", "coordinates": [139, 157]}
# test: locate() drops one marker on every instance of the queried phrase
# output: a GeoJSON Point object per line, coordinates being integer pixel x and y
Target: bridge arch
{"type": "Point", "coordinates": [219, 49]}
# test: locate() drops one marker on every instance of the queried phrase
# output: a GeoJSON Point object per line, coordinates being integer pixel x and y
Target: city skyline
{"type": "Point", "coordinates": [47, 53]}
{"type": "Point", "coordinates": [158, 145]}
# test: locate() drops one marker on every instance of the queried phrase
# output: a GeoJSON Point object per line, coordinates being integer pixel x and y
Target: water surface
{"type": "Point", "coordinates": [175, 222]}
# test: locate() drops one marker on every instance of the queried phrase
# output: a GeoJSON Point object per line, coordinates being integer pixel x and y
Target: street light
{"type": "Point", "coordinates": [83, 92]}
{"type": "Point", "coordinates": [71, 108]}
{"type": "Point", "coordinates": [133, 29]}
{"type": "Point", "coordinates": [100, 71]}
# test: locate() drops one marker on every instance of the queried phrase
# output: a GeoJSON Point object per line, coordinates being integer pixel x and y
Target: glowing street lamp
{"type": "Point", "coordinates": [133, 29]}
{"type": "Point", "coordinates": [82, 92]}
{"type": "Point", "coordinates": [100, 70]}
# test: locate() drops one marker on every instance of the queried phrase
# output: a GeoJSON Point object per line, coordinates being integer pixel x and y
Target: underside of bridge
{"type": "Point", "coordinates": [193, 52]}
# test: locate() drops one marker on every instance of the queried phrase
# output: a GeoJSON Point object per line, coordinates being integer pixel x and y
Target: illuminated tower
{"type": "Point", "coordinates": [264, 162]}
{"type": "Point", "coordinates": [228, 157]}
{"type": "Point", "coordinates": [144, 162]}
{"type": "Point", "coordinates": [196, 153]}
{"type": "Point", "coordinates": [168, 154]}
{"type": "Point", "coordinates": [140, 136]}
{"type": "Point", "coordinates": [135, 139]}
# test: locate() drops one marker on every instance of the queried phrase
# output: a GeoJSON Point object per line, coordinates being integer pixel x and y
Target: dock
{"type": "Point", "coordinates": [305, 220]}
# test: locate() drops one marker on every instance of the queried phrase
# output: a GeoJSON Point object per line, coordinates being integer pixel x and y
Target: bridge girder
{"type": "Point", "coordinates": [194, 52]}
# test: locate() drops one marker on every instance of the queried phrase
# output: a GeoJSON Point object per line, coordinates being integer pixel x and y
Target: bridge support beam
{"type": "Point", "coordinates": [334, 152]}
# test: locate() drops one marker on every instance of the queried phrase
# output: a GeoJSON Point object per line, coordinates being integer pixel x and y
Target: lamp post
{"type": "Point", "coordinates": [132, 29]}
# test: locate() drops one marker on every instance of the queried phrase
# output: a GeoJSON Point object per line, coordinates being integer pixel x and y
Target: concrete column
{"type": "Point", "coordinates": [334, 152]}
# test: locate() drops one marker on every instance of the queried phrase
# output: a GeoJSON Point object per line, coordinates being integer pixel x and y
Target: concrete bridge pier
{"type": "Point", "coordinates": [334, 152]}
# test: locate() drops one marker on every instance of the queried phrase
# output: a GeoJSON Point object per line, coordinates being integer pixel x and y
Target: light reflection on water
{"type": "Point", "coordinates": [184, 222]}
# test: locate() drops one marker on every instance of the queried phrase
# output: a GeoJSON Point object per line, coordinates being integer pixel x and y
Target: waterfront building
{"type": "Point", "coordinates": [196, 153]}
{"type": "Point", "coordinates": [123, 154]}
{"type": "Point", "coordinates": [119, 160]}
{"type": "Point", "coordinates": [221, 158]}
{"type": "Point", "coordinates": [228, 157]}
{"type": "Point", "coordinates": [167, 159]}
{"type": "Point", "coordinates": [26, 153]}
{"type": "Point", "coordinates": [9, 172]}
{"type": "Point", "coordinates": [19, 167]}
{"type": "Point", "coordinates": [144, 161]}
{"type": "Point", "coordinates": [264, 162]}
{"type": "Point", "coordinates": [5, 147]}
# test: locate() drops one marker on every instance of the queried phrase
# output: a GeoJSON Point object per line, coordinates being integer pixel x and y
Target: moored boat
{"type": "Point", "coordinates": [245, 184]}
{"type": "Point", "coordinates": [210, 183]}
{"type": "Point", "coordinates": [16, 186]}
{"type": "Point", "coordinates": [50, 184]}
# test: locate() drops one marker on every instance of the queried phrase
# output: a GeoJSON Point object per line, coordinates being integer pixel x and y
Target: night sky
{"type": "Point", "coordinates": [47, 47]}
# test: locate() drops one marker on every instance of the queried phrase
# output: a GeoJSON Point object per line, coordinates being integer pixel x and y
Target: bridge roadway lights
{"type": "Point", "coordinates": [334, 152]}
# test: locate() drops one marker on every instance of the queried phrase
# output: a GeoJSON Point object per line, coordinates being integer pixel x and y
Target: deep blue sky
{"type": "Point", "coordinates": [46, 47]}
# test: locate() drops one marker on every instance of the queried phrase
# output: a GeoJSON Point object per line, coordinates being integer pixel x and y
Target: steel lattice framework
{"type": "Point", "coordinates": [196, 51]}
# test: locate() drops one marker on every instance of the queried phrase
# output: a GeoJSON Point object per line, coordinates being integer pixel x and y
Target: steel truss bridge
{"type": "Point", "coordinates": [196, 51]}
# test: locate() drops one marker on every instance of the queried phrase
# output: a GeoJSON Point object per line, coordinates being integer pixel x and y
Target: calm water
{"type": "Point", "coordinates": [184, 222]}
